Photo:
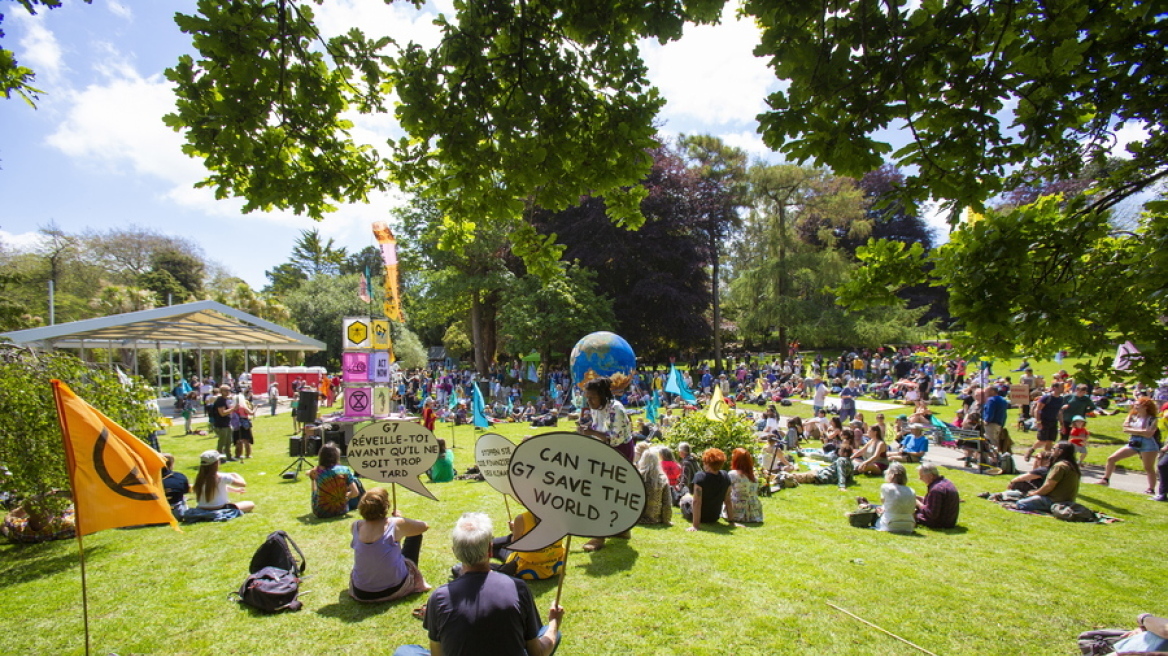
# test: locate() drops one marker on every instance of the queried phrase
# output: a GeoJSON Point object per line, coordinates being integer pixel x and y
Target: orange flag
{"type": "Point", "coordinates": [116, 478]}
{"type": "Point", "coordinates": [388, 244]}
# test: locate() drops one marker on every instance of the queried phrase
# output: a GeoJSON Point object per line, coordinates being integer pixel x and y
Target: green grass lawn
{"type": "Point", "coordinates": [1001, 583]}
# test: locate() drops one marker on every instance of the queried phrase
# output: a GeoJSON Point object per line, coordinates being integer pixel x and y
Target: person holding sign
{"type": "Point", "coordinates": [527, 565]}
{"type": "Point", "coordinates": [610, 425]}
{"type": "Point", "coordinates": [385, 552]}
{"type": "Point", "coordinates": [484, 611]}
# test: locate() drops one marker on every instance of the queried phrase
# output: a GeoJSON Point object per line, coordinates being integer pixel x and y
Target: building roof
{"type": "Point", "coordinates": [203, 324]}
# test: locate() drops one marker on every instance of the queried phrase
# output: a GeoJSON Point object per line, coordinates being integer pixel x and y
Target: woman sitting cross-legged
{"type": "Point", "coordinates": [872, 458]}
{"type": "Point", "coordinates": [385, 552]}
{"type": "Point", "coordinates": [711, 492]}
{"type": "Point", "coordinates": [746, 506]}
{"type": "Point", "coordinates": [212, 486]}
{"type": "Point", "coordinates": [335, 489]}
{"type": "Point", "coordinates": [898, 502]}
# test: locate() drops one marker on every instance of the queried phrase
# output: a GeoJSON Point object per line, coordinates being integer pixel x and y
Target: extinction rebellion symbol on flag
{"type": "Point", "coordinates": [131, 479]}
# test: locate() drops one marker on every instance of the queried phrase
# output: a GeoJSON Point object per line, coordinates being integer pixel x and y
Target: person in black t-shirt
{"type": "Point", "coordinates": [711, 491]}
{"type": "Point", "coordinates": [175, 485]}
{"type": "Point", "coordinates": [484, 612]}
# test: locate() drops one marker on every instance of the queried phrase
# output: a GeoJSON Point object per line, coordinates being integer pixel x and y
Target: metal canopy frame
{"type": "Point", "coordinates": [200, 325]}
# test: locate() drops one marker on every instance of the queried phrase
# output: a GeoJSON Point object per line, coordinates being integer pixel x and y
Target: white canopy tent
{"type": "Point", "coordinates": [203, 325]}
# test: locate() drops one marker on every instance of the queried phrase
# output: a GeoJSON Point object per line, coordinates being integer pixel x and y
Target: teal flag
{"type": "Point", "coordinates": [651, 408]}
{"type": "Point", "coordinates": [480, 408]}
{"type": "Point", "coordinates": [676, 385]}
{"type": "Point", "coordinates": [453, 398]}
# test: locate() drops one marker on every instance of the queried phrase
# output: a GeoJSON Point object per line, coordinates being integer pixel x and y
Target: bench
{"type": "Point", "coordinates": [985, 451]}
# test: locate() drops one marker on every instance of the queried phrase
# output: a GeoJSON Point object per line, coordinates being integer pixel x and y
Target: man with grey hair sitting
{"type": "Point", "coordinates": [941, 504]}
{"type": "Point", "coordinates": [484, 612]}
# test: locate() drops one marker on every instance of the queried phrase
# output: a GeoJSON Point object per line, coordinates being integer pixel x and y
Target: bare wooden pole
{"type": "Point", "coordinates": [564, 569]}
{"type": "Point", "coordinates": [885, 631]}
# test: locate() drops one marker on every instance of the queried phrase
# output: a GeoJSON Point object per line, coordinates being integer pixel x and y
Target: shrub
{"type": "Point", "coordinates": [30, 437]}
{"type": "Point", "coordinates": [703, 433]}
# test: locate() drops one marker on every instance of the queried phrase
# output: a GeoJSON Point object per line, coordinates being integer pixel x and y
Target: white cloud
{"type": "Point", "coordinates": [751, 142]}
{"type": "Point", "coordinates": [1129, 133]}
{"type": "Point", "coordinates": [39, 48]}
{"type": "Point", "coordinates": [937, 219]}
{"type": "Point", "coordinates": [399, 21]}
{"type": "Point", "coordinates": [711, 74]}
{"type": "Point", "coordinates": [20, 241]}
{"type": "Point", "coordinates": [120, 10]}
{"type": "Point", "coordinates": [118, 124]}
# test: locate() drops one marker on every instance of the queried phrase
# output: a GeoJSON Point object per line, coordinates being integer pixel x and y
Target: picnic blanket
{"type": "Point", "coordinates": [1009, 505]}
{"type": "Point", "coordinates": [199, 515]}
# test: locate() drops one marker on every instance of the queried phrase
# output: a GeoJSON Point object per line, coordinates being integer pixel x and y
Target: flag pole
{"type": "Point", "coordinates": [84, 589]}
{"type": "Point", "coordinates": [70, 464]}
{"type": "Point", "coordinates": [507, 506]}
{"type": "Point", "coordinates": [563, 569]}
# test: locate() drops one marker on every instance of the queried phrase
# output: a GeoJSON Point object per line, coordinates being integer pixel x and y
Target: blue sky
{"type": "Point", "coordinates": [95, 154]}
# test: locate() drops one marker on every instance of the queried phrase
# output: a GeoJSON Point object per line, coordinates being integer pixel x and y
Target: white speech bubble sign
{"type": "Point", "coordinates": [575, 485]}
{"type": "Point", "coordinates": [493, 458]}
{"type": "Point", "coordinates": [394, 452]}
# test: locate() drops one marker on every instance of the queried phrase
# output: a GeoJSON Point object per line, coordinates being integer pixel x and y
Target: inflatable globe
{"type": "Point", "coordinates": [603, 354]}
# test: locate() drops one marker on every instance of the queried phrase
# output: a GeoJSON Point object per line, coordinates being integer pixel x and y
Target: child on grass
{"type": "Point", "coordinates": [188, 412]}
{"type": "Point", "coordinates": [1079, 436]}
{"type": "Point", "coordinates": [295, 414]}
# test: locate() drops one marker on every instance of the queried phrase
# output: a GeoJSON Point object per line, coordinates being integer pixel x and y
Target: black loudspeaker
{"type": "Point", "coordinates": [306, 408]}
{"type": "Point", "coordinates": [337, 437]}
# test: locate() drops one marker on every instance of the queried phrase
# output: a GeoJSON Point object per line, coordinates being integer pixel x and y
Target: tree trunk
{"type": "Point", "coordinates": [717, 307]}
{"type": "Point", "coordinates": [780, 288]}
{"type": "Point", "coordinates": [484, 312]}
{"type": "Point", "coordinates": [476, 333]}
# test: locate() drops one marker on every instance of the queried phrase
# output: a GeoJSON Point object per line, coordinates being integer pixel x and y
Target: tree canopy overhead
{"type": "Point", "coordinates": [540, 102]}
{"type": "Point", "coordinates": [987, 90]}
{"type": "Point", "coordinates": [522, 104]}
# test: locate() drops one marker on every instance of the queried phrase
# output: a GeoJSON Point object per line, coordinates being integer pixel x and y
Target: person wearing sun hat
{"type": "Point", "coordinates": [211, 485]}
{"type": "Point", "coordinates": [1079, 436]}
{"type": "Point", "coordinates": [914, 446]}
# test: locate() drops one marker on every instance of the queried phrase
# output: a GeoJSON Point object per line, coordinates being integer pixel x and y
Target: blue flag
{"type": "Point", "coordinates": [453, 398]}
{"type": "Point", "coordinates": [651, 408]}
{"type": "Point", "coordinates": [554, 390]}
{"type": "Point", "coordinates": [480, 408]}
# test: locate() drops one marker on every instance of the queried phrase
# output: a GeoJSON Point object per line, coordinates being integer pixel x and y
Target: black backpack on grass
{"type": "Point", "coordinates": [271, 590]}
{"type": "Point", "coordinates": [274, 582]}
{"type": "Point", "coordinates": [276, 551]}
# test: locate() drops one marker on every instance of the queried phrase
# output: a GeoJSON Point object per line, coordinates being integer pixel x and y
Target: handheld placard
{"type": "Point", "coordinates": [394, 452]}
{"type": "Point", "coordinates": [575, 485]}
{"type": "Point", "coordinates": [493, 458]}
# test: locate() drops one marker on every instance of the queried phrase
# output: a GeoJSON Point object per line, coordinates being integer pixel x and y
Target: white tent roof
{"type": "Point", "coordinates": [203, 324]}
